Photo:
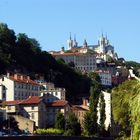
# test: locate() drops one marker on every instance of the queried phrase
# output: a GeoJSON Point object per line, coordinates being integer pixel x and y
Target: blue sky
{"type": "Point", "coordinates": [50, 21]}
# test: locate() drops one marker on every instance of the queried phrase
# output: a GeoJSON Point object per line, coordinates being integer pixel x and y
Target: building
{"type": "Point", "coordinates": [80, 111]}
{"type": "Point", "coordinates": [32, 108]}
{"type": "Point", "coordinates": [84, 62]}
{"type": "Point", "coordinates": [17, 87]}
{"type": "Point", "coordinates": [52, 93]}
{"type": "Point", "coordinates": [103, 48]}
{"type": "Point", "coordinates": [54, 107]}
{"type": "Point", "coordinates": [106, 78]}
{"type": "Point", "coordinates": [86, 56]}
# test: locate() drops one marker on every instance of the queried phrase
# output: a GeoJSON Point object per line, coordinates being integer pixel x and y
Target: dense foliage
{"type": "Point", "coordinates": [102, 114]}
{"type": "Point", "coordinates": [60, 121]}
{"type": "Point", "coordinates": [126, 108]}
{"type": "Point", "coordinates": [73, 126]}
{"type": "Point", "coordinates": [19, 53]}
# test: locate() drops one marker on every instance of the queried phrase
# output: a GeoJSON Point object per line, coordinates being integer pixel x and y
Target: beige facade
{"type": "Point", "coordinates": [55, 107]}
{"type": "Point", "coordinates": [85, 62]}
{"type": "Point", "coordinates": [32, 108]}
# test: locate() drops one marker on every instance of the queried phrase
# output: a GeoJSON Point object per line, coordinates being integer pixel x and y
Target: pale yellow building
{"type": "Point", "coordinates": [32, 108]}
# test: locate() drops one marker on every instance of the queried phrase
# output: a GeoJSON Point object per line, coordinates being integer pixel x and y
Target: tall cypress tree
{"type": "Point", "coordinates": [102, 114]}
{"type": "Point", "coordinates": [95, 90]}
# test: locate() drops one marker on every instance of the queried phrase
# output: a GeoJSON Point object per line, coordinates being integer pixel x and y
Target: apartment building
{"type": "Point", "coordinates": [106, 78]}
{"type": "Point", "coordinates": [83, 61]}
{"type": "Point", "coordinates": [17, 87]}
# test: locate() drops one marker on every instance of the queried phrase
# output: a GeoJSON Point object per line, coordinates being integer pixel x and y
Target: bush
{"type": "Point", "coordinates": [49, 131]}
{"type": "Point", "coordinates": [69, 132]}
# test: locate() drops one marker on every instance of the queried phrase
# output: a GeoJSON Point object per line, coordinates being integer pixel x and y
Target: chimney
{"type": "Point", "coordinates": [85, 102]}
{"type": "Point", "coordinates": [21, 77]}
{"type": "Point", "coordinates": [28, 77]}
{"type": "Point", "coordinates": [15, 76]}
{"type": "Point", "coordinates": [8, 74]}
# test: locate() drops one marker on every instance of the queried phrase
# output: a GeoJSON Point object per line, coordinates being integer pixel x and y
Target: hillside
{"type": "Point", "coordinates": [19, 53]}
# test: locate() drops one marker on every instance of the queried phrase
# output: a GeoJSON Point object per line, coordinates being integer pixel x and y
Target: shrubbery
{"type": "Point", "coordinates": [49, 131]}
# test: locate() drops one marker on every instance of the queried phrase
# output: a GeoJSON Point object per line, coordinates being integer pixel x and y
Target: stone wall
{"type": "Point", "coordinates": [24, 123]}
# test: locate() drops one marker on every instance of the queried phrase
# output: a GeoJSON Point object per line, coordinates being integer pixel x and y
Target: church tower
{"type": "Point", "coordinates": [70, 43]}
{"type": "Point", "coordinates": [85, 45]}
{"type": "Point", "coordinates": [102, 44]}
{"type": "Point", "coordinates": [75, 44]}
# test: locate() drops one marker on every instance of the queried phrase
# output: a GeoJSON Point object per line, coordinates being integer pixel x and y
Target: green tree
{"type": "Point", "coordinates": [24, 55]}
{"type": "Point", "coordinates": [88, 124]}
{"type": "Point", "coordinates": [125, 106]}
{"type": "Point", "coordinates": [10, 123]}
{"type": "Point", "coordinates": [90, 119]}
{"type": "Point", "coordinates": [60, 121]}
{"type": "Point", "coordinates": [102, 114]}
{"type": "Point", "coordinates": [72, 125]}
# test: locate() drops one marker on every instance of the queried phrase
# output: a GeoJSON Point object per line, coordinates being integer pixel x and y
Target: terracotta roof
{"type": "Point", "coordinates": [57, 103]}
{"type": "Point", "coordinates": [74, 53]}
{"type": "Point", "coordinates": [24, 81]}
{"type": "Point", "coordinates": [11, 102]}
{"type": "Point", "coordinates": [30, 100]}
{"type": "Point", "coordinates": [79, 107]}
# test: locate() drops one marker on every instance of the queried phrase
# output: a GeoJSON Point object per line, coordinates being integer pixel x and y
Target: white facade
{"type": "Point", "coordinates": [51, 93]}
{"type": "Point", "coordinates": [103, 48]}
{"type": "Point", "coordinates": [107, 98]}
{"type": "Point", "coordinates": [18, 87]}
{"type": "Point", "coordinates": [85, 62]}
{"type": "Point", "coordinates": [106, 77]}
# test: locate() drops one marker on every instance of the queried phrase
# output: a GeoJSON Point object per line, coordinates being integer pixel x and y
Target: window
{"type": "Point", "coordinates": [32, 107]}
{"type": "Point", "coordinates": [9, 107]}
{"type": "Point", "coordinates": [2, 78]}
{"type": "Point", "coordinates": [32, 116]}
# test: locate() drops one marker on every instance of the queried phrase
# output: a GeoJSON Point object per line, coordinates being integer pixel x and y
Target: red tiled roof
{"type": "Point", "coordinates": [11, 102]}
{"type": "Point", "coordinates": [57, 103]}
{"type": "Point", "coordinates": [74, 53]}
{"type": "Point", "coordinates": [24, 81]}
{"type": "Point", "coordinates": [30, 100]}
